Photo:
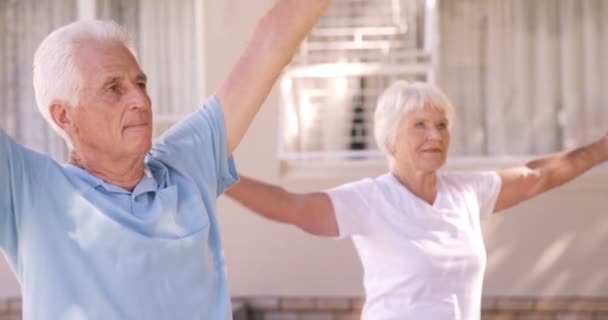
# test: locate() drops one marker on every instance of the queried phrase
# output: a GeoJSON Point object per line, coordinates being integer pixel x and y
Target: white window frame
{"type": "Point", "coordinates": [337, 165]}
{"type": "Point", "coordinates": [305, 165]}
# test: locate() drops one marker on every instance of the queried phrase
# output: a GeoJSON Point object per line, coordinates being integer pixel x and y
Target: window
{"type": "Point", "coordinates": [329, 91]}
{"type": "Point", "coordinates": [166, 35]}
{"type": "Point", "coordinates": [23, 24]}
{"type": "Point", "coordinates": [525, 77]}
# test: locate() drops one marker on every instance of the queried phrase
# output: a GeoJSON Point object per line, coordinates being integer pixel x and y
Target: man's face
{"type": "Point", "coordinates": [113, 115]}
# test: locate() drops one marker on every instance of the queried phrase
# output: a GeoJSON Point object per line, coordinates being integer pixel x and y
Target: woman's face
{"type": "Point", "coordinates": [422, 140]}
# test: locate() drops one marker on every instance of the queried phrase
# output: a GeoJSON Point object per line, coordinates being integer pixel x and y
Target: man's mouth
{"type": "Point", "coordinates": [143, 125]}
{"type": "Point", "coordinates": [432, 150]}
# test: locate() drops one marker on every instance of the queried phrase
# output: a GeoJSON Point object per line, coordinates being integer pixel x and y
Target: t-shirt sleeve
{"type": "Point", "coordinates": [197, 147]}
{"type": "Point", "coordinates": [19, 168]}
{"type": "Point", "coordinates": [9, 172]}
{"type": "Point", "coordinates": [487, 186]}
{"type": "Point", "coordinates": [352, 207]}
{"type": "Point", "coordinates": [24, 176]}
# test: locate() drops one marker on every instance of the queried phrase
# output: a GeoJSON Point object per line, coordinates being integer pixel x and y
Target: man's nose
{"type": "Point", "coordinates": [138, 98]}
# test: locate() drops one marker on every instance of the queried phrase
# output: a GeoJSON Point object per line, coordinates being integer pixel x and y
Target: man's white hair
{"type": "Point", "coordinates": [56, 75]}
{"type": "Point", "coordinates": [400, 98]}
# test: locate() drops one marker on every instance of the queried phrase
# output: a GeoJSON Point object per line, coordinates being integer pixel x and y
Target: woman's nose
{"type": "Point", "coordinates": [433, 133]}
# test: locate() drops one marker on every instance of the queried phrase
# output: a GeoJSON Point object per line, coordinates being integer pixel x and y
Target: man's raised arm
{"type": "Point", "coordinates": [271, 48]}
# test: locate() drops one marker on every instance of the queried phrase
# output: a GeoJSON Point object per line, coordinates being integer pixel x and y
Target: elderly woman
{"type": "Point", "coordinates": [416, 229]}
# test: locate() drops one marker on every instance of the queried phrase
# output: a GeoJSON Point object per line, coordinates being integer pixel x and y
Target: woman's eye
{"type": "Point", "coordinates": [142, 85]}
{"type": "Point", "coordinates": [442, 125]}
{"type": "Point", "coordinates": [419, 125]}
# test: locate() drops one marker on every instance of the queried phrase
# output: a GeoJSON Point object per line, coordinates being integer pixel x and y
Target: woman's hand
{"type": "Point", "coordinates": [540, 175]}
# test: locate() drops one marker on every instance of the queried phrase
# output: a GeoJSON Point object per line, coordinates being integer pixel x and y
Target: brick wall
{"type": "Point", "coordinates": [545, 309]}
{"type": "Point", "coordinates": [270, 308]}
{"type": "Point", "coordinates": [275, 308]}
{"type": "Point", "coordinates": [492, 308]}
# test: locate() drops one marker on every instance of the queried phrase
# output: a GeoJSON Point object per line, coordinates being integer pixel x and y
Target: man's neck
{"type": "Point", "coordinates": [124, 172]}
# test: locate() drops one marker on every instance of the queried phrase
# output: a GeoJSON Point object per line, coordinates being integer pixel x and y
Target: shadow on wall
{"type": "Point", "coordinates": [554, 245]}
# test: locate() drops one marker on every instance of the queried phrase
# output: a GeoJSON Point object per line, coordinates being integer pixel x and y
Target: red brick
{"type": "Point", "coordinates": [348, 316]}
{"type": "Point", "coordinates": [574, 316]}
{"type": "Point", "coordinates": [515, 304]}
{"type": "Point", "coordinates": [498, 316]}
{"type": "Point", "coordinates": [333, 304]}
{"type": "Point", "coordinates": [358, 303]}
{"type": "Point", "coordinates": [263, 303]}
{"type": "Point", "coordinates": [554, 305]}
{"type": "Point", "coordinates": [298, 304]}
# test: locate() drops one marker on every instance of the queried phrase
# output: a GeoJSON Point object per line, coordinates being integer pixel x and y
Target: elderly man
{"type": "Point", "coordinates": [127, 229]}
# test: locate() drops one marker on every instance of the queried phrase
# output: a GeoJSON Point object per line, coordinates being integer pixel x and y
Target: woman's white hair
{"type": "Point", "coordinates": [400, 98]}
{"type": "Point", "coordinates": [56, 75]}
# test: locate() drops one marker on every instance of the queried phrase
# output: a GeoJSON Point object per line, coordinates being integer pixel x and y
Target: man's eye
{"type": "Point", "coordinates": [442, 125]}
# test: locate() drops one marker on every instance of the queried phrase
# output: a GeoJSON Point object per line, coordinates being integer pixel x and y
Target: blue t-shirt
{"type": "Point", "coordinates": [86, 249]}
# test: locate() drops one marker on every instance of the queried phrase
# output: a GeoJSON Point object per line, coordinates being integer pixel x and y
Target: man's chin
{"type": "Point", "coordinates": [142, 147]}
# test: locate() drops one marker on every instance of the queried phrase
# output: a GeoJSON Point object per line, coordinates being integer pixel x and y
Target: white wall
{"type": "Point", "coordinates": [551, 245]}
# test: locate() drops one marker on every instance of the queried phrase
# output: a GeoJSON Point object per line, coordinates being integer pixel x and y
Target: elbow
{"type": "Point", "coordinates": [318, 227]}
{"type": "Point", "coordinates": [318, 230]}
{"type": "Point", "coordinates": [537, 181]}
{"type": "Point", "coordinates": [308, 229]}
{"type": "Point", "coordinates": [311, 217]}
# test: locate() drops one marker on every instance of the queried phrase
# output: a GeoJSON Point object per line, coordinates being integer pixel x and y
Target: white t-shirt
{"type": "Point", "coordinates": [421, 261]}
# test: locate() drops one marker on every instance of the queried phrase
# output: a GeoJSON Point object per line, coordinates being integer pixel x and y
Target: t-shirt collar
{"type": "Point", "coordinates": [146, 184]}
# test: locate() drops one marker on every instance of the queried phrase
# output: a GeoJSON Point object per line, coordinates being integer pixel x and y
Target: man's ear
{"type": "Point", "coordinates": [60, 113]}
{"type": "Point", "coordinates": [390, 147]}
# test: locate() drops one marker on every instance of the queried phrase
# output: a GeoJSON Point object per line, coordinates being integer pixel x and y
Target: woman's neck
{"type": "Point", "coordinates": [422, 184]}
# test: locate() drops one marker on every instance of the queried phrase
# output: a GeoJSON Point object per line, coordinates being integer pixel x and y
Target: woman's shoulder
{"type": "Point", "coordinates": [365, 185]}
{"type": "Point", "coordinates": [460, 179]}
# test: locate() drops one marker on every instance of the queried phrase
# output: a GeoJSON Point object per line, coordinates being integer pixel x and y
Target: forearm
{"type": "Point", "coordinates": [557, 169]}
{"type": "Point", "coordinates": [286, 24]}
{"type": "Point", "coordinates": [272, 46]}
{"type": "Point", "coordinates": [312, 212]}
{"type": "Point", "coordinates": [267, 200]}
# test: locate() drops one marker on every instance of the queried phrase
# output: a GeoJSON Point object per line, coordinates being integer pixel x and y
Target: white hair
{"type": "Point", "coordinates": [400, 98]}
{"type": "Point", "coordinates": [56, 75]}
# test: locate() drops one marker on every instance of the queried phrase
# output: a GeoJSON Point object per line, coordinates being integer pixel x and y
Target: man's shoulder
{"type": "Point", "coordinates": [19, 155]}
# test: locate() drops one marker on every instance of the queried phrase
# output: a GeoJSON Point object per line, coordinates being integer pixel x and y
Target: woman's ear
{"type": "Point", "coordinates": [60, 114]}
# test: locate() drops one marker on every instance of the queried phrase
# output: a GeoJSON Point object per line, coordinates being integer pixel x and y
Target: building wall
{"type": "Point", "coordinates": [550, 246]}
{"type": "Point", "coordinates": [8, 285]}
